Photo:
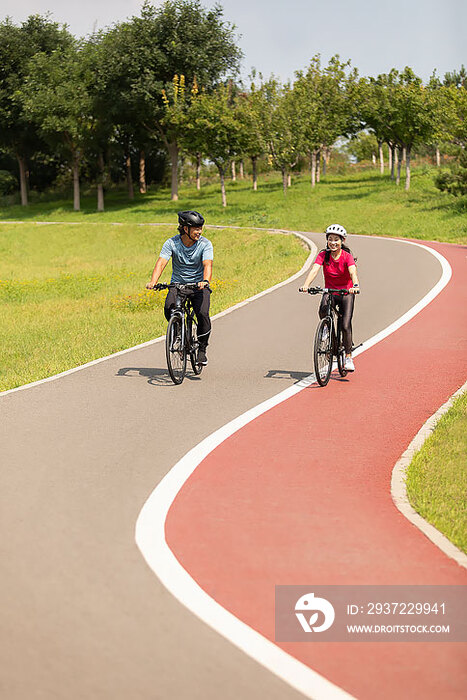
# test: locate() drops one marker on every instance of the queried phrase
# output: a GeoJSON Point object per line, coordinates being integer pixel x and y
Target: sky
{"type": "Point", "coordinates": [281, 36]}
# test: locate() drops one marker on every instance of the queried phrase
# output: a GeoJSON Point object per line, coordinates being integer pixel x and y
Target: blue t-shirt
{"type": "Point", "coordinates": [187, 262]}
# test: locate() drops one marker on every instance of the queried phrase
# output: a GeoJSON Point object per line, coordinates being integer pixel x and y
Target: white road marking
{"type": "Point", "coordinates": [150, 533]}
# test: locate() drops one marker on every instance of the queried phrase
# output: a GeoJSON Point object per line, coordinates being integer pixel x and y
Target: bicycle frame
{"type": "Point", "coordinates": [336, 321]}
{"type": "Point", "coordinates": [185, 311]}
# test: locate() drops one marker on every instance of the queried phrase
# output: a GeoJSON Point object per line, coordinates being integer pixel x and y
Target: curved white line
{"type": "Point", "coordinates": [399, 491]}
{"type": "Point", "coordinates": [150, 534]}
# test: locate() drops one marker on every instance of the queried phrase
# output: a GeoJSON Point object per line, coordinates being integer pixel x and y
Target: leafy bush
{"type": "Point", "coordinates": [8, 182]}
{"type": "Point", "coordinates": [454, 180]}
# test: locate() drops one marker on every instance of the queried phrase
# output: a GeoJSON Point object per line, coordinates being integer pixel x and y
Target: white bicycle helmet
{"type": "Point", "coordinates": [337, 229]}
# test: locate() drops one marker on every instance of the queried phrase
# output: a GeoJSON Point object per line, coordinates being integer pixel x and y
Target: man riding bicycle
{"type": "Point", "coordinates": [192, 256]}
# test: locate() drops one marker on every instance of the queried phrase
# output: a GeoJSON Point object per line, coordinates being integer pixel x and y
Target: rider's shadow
{"type": "Point", "coordinates": [154, 375]}
{"type": "Point", "coordinates": [300, 376]}
{"type": "Point", "coordinates": [286, 374]}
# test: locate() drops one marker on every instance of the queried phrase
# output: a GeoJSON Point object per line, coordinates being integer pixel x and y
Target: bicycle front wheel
{"type": "Point", "coordinates": [322, 353]}
{"type": "Point", "coordinates": [193, 345]}
{"type": "Point", "coordinates": [175, 350]}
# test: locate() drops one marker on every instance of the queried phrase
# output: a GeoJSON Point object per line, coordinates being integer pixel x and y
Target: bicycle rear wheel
{"type": "Point", "coordinates": [194, 345]}
{"type": "Point", "coordinates": [322, 353]}
{"type": "Point", "coordinates": [175, 350]}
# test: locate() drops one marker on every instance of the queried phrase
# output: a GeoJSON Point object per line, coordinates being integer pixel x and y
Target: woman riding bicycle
{"type": "Point", "coordinates": [340, 272]}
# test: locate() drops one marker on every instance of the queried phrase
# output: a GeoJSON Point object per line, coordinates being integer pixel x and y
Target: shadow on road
{"type": "Point", "coordinates": [286, 374]}
{"type": "Point", "coordinates": [154, 375]}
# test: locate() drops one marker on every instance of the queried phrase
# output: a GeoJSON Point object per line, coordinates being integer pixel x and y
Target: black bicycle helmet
{"type": "Point", "coordinates": [190, 218]}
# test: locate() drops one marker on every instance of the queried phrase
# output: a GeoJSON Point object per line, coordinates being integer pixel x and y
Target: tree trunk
{"type": "Point", "coordinates": [399, 163]}
{"type": "Point", "coordinates": [142, 173]}
{"type": "Point", "coordinates": [76, 193]}
{"type": "Point", "coordinates": [325, 163]}
{"type": "Point", "coordinates": [173, 153]}
{"type": "Point", "coordinates": [198, 171]}
{"type": "Point", "coordinates": [381, 157]}
{"type": "Point", "coordinates": [407, 168]}
{"type": "Point", "coordinates": [284, 180]}
{"type": "Point", "coordinates": [318, 166]}
{"type": "Point", "coordinates": [100, 182]}
{"type": "Point", "coordinates": [23, 180]}
{"type": "Point", "coordinates": [222, 177]}
{"type": "Point", "coordinates": [313, 169]}
{"type": "Point", "coordinates": [255, 174]}
{"type": "Point", "coordinates": [438, 157]}
{"type": "Point", "coordinates": [241, 174]}
{"type": "Point", "coordinates": [404, 154]}
{"type": "Point", "coordinates": [234, 173]}
{"type": "Point", "coordinates": [129, 178]}
{"type": "Point", "coordinates": [289, 180]}
{"type": "Point", "coordinates": [390, 160]}
{"type": "Point", "coordinates": [395, 160]}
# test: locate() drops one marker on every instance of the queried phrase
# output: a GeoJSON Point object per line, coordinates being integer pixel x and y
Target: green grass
{"type": "Point", "coordinates": [437, 476]}
{"type": "Point", "coordinates": [70, 294]}
{"type": "Point", "coordinates": [364, 202]}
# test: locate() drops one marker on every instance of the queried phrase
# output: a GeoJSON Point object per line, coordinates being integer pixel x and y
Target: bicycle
{"type": "Point", "coordinates": [181, 339]}
{"type": "Point", "coordinates": [329, 338]}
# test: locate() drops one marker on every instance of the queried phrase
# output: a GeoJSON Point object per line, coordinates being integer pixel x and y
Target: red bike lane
{"type": "Point", "coordinates": [301, 495]}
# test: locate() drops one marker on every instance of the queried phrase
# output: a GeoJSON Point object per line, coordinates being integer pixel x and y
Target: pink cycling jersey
{"type": "Point", "coordinates": [336, 274]}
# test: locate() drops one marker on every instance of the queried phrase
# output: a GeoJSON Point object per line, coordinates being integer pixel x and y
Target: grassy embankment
{"type": "Point", "coordinates": [73, 293]}
{"type": "Point", "coordinates": [437, 476]}
{"type": "Point", "coordinates": [364, 202]}
{"type": "Point", "coordinates": [70, 294]}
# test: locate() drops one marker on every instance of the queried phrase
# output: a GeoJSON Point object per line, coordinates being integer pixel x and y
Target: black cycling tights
{"type": "Point", "coordinates": [201, 299]}
{"type": "Point", "coordinates": [345, 306]}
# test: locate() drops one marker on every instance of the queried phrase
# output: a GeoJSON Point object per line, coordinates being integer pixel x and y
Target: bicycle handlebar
{"type": "Point", "coordinates": [177, 285]}
{"type": "Point", "coordinates": [321, 290]}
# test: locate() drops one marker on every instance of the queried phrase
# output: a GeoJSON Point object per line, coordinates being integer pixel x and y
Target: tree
{"type": "Point", "coordinates": [414, 117]}
{"type": "Point", "coordinates": [55, 97]}
{"type": "Point", "coordinates": [326, 99]}
{"type": "Point", "coordinates": [377, 112]}
{"type": "Point", "coordinates": [180, 37]}
{"type": "Point", "coordinates": [250, 106]}
{"type": "Point", "coordinates": [454, 180]}
{"type": "Point", "coordinates": [280, 126]}
{"type": "Point", "coordinates": [18, 45]}
{"type": "Point", "coordinates": [123, 53]}
{"type": "Point", "coordinates": [213, 128]}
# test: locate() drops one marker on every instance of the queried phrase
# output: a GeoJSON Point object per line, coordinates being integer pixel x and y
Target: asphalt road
{"type": "Point", "coordinates": [82, 614]}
